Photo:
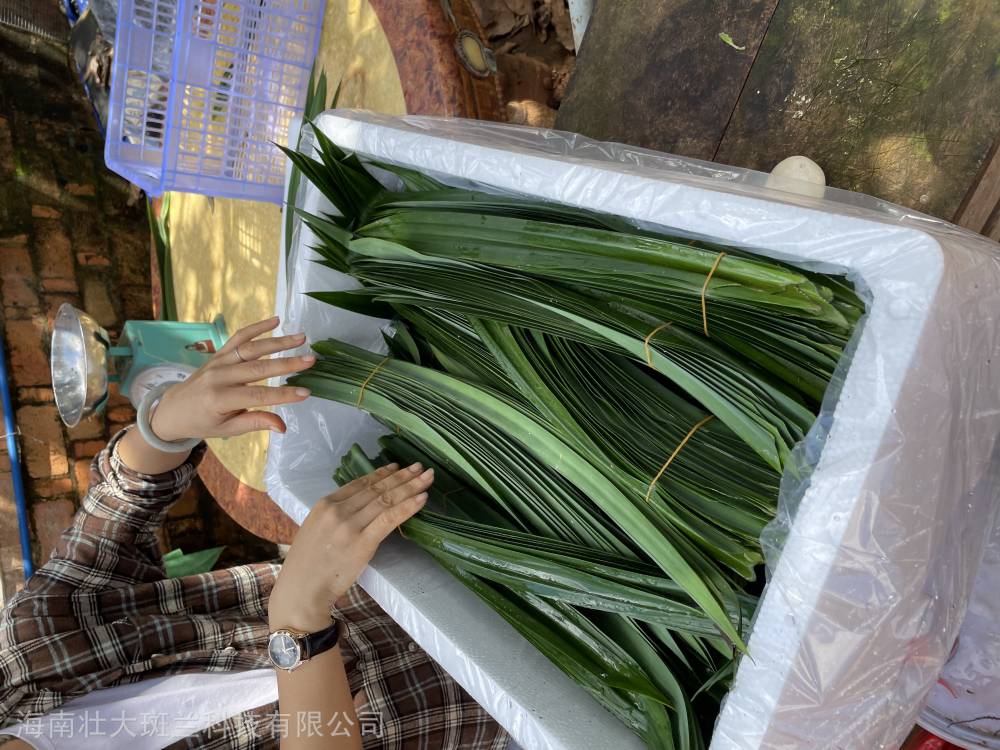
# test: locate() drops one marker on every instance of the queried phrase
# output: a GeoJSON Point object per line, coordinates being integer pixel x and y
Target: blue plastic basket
{"type": "Point", "coordinates": [201, 90]}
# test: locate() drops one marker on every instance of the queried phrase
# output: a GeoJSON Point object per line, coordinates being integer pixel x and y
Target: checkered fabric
{"type": "Point", "coordinates": [101, 613]}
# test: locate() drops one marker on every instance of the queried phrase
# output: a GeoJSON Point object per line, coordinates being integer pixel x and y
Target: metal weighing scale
{"type": "Point", "coordinates": [149, 353]}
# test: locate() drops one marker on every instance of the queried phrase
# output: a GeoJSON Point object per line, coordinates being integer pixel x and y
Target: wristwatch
{"type": "Point", "coordinates": [288, 649]}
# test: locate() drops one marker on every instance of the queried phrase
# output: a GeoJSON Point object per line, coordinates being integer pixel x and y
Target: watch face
{"type": "Point", "coordinates": [284, 650]}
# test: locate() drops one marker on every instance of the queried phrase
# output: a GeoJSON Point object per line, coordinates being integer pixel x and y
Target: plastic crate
{"type": "Point", "coordinates": [201, 90]}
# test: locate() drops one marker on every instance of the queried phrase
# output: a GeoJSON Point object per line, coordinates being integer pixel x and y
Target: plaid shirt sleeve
{"type": "Point", "coordinates": [101, 613]}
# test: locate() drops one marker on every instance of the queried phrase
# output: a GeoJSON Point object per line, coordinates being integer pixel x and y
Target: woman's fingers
{"type": "Point", "coordinates": [391, 518]}
{"type": "Point", "coordinates": [255, 396]}
{"type": "Point", "coordinates": [262, 369]}
{"type": "Point", "coordinates": [251, 421]}
{"type": "Point", "coordinates": [361, 483]}
{"type": "Point", "coordinates": [390, 498]}
{"type": "Point", "coordinates": [350, 506]}
{"type": "Point", "coordinates": [252, 331]}
{"type": "Point", "coordinates": [258, 348]}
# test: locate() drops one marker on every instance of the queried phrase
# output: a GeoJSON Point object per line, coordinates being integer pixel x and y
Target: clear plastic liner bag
{"type": "Point", "coordinates": [885, 508]}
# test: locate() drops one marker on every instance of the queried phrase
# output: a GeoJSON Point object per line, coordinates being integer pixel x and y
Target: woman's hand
{"type": "Point", "coordinates": [332, 547]}
{"type": "Point", "coordinates": [219, 401]}
{"type": "Point", "coordinates": [338, 539]}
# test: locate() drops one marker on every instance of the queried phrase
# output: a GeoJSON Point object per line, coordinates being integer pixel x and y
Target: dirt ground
{"type": "Point", "coordinates": [533, 44]}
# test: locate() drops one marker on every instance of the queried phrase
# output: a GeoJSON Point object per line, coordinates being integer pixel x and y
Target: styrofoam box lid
{"type": "Point", "coordinates": [871, 586]}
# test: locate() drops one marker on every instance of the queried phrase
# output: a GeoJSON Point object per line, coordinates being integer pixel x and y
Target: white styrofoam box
{"type": "Point", "coordinates": [869, 591]}
{"type": "Point", "coordinates": [539, 705]}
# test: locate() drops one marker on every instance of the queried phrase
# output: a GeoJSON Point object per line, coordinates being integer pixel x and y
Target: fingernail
{"type": "Point", "coordinates": [301, 335]}
{"type": "Point", "coordinates": [427, 474]}
{"type": "Point", "coordinates": [302, 392]}
{"type": "Point", "coordinates": [309, 358]}
{"type": "Point", "coordinates": [415, 468]}
{"type": "Point", "coordinates": [421, 498]}
{"type": "Point", "coordinates": [392, 467]}
{"type": "Point", "coordinates": [275, 428]}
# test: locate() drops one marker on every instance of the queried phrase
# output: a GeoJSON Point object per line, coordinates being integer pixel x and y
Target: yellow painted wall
{"type": "Point", "coordinates": [225, 252]}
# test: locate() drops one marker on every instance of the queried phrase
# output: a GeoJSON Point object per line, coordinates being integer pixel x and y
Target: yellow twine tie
{"type": "Point", "coordinates": [361, 392]}
{"type": "Point", "coordinates": [693, 430]}
{"type": "Point", "coordinates": [704, 288]}
{"type": "Point", "coordinates": [645, 342]}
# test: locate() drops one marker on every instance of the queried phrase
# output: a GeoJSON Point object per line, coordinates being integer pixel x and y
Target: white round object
{"type": "Point", "coordinates": [155, 376]}
{"type": "Point", "coordinates": [798, 174]}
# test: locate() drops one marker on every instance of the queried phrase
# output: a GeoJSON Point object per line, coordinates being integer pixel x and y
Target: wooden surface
{"type": "Point", "coordinates": [251, 508]}
{"type": "Point", "coordinates": [433, 79]}
{"type": "Point", "coordinates": [896, 98]}
{"type": "Point", "coordinates": [655, 73]}
{"type": "Point", "coordinates": [980, 211]}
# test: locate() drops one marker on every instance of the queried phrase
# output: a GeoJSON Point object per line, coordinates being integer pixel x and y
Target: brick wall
{"type": "Point", "coordinates": [70, 231]}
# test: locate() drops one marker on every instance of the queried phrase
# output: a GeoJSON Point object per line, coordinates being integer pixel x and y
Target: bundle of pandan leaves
{"type": "Point", "coordinates": [609, 411]}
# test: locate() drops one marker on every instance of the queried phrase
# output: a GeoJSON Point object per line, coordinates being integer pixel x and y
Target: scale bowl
{"type": "Point", "coordinates": [79, 364]}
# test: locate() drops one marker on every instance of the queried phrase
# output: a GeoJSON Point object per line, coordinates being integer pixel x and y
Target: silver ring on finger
{"type": "Point", "coordinates": [238, 355]}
